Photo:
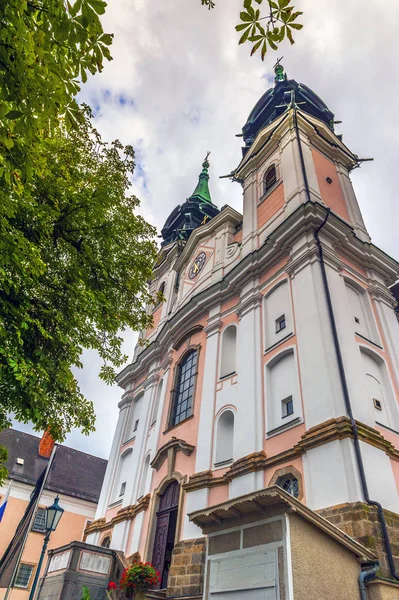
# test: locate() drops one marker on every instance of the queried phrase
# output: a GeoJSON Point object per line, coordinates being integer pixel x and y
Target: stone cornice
{"type": "Point", "coordinates": [329, 431]}
{"type": "Point", "coordinates": [175, 445]}
{"type": "Point", "coordinates": [303, 221]}
{"type": "Point", "coordinates": [124, 514]}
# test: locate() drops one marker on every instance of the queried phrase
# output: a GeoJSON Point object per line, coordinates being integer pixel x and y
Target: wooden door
{"type": "Point", "coordinates": [165, 531]}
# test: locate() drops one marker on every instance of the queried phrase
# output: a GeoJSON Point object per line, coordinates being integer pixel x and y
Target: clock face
{"type": "Point", "coordinates": [197, 265]}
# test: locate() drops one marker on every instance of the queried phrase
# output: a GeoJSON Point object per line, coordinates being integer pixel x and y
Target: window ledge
{"type": "Point", "coordinates": [281, 428]}
{"type": "Point", "coordinates": [283, 339]}
{"type": "Point", "coordinates": [129, 440]}
{"type": "Point", "coordinates": [115, 503]}
{"type": "Point", "coordinates": [222, 463]}
{"type": "Point", "coordinates": [367, 340]}
{"type": "Point", "coordinates": [228, 375]}
{"type": "Point", "coordinates": [177, 425]}
{"type": "Point", "coordinates": [266, 194]}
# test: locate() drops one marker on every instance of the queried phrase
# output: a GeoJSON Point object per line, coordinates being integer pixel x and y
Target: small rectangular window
{"type": "Point", "coordinates": [377, 404]}
{"type": "Point", "coordinates": [287, 406]}
{"type": "Point", "coordinates": [136, 425]}
{"type": "Point", "coordinates": [39, 524]}
{"type": "Point", "coordinates": [280, 323]}
{"type": "Point", "coordinates": [24, 575]}
{"type": "Point", "coordinates": [123, 488]}
{"type": "Point", "coordinates": [357, 320]}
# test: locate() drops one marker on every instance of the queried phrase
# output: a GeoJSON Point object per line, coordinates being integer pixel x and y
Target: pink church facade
{"type": "Point", "coordinates": [277, 334]}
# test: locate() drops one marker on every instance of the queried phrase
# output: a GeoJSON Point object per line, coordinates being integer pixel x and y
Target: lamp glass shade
{"type": "Point", "coordinates": [53, 515]}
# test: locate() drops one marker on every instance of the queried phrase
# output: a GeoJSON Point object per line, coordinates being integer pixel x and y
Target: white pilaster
{"type": "Point", "coordinates": [248, 430]}
{"type": "Point", "coordinates": [113, 461]}
{"type": "Point", "coordinates": [133, 483]}
{"type": "Point", "coordinates": [196, 500]}
{"type": "Point", "coordinates": [321, 388]}
{"type": "Point", "coordinates": [203, 460]}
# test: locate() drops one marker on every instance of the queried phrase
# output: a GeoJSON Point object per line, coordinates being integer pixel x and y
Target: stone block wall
{"type": "Point", "coordinates": [360, 521]}
{"type": "Point", "coordinates": [186, 573]}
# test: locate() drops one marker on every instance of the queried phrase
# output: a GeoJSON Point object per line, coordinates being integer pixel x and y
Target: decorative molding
{"type": "Point", "coordinates": [301, 223]}
{"type": "Point", "coordinates": [249, 304]}
{"type": "Point", "coordinates": [124, 514]}
{"type": "Point", "coordinates": [175, 445]}
{"type": "Point", "coordinates": [187, 334]}
{"type": "Point", "coordinates": [323, 433]}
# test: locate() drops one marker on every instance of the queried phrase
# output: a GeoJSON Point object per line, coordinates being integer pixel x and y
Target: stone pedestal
{"type": "Point", "coordinates": [186, 574]}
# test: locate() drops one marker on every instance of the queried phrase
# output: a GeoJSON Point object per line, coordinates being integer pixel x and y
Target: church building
{"type": "Point", "coordinates": [267, 391]}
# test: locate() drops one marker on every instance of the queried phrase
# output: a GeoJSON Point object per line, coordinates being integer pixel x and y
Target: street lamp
{"type": "Point", "coordinates": [53, 516]}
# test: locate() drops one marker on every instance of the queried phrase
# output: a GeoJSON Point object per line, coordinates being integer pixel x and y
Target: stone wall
{"type": "Point", "coordinates": [186, 573]}
{"type": "Point", "coordinates": [360, 521]}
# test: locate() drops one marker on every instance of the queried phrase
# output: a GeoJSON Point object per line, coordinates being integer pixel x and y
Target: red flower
{"type": "Point", "coordinates": [112, 585]}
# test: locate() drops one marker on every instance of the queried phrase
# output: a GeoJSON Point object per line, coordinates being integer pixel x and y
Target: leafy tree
{"type": "Point", "coordinates": [75, 264]}
{"type": "Point", "coordinates": [45, 46]}
{"type": "Point", "coordinates": [278, 23]}
{"type": "Point", "coordinates": [74, 257]}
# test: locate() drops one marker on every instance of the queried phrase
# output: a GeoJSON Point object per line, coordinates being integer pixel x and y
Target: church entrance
{"type": "Point", "coordinates": [165, 531]}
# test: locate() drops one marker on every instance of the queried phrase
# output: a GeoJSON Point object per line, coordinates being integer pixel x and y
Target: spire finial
{"type": "Point", "coordinates": [201, 192]}
{"type": "Point", "coordinates": [205, 164]}
{"type": "Point", "coordinates": [279, 71]}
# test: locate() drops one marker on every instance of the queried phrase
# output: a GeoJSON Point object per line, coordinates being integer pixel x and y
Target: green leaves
{"type": "Point", "coordinates": [278, 24]}
{"type": "Point", "coordinates": [45, 47]}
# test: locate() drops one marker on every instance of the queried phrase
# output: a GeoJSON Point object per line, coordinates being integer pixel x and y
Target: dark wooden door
{"type": "Point", "coordinates": [165, 532]}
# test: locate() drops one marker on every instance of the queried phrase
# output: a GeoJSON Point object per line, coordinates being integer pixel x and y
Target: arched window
{"type": "Point", "coordinates": [269, 179]}
{"type": "Point", "coordinates": [106, 542]}
{"type": "Point", "coordinates": [122, 475]}
{"type": "Point", "coordinates": [224, 437]}
{"type": "Point", "coordinates": [289, 483]}
{"type": "Point", "coordinates": [183, 395]}
{"type": "Point", "coordinates": [228, 357]}
{"type": "Point", "coordinates": [133, 419]}
{"type": "Point", "coordinates": [378, 390]}
{"type": "Point", "coordinates": [278, 314]}
{"type": "Point", "coordinates": [144, 477]}
{"type": "Point", "coordinates": [155, 408]}
{"type": "Point", "coordinates": [160, 293]}
{"type": "Point", "coordinates": [358, 308]}
{"type": "Point", "coordinates": [283, 404]}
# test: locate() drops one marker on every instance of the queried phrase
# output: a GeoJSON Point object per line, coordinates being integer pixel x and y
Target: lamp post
{"type": "Point", "coordinates": [53, 516]}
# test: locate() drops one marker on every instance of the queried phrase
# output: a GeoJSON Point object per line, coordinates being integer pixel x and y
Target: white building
{"type": "Point", "coordinates": [273, 360]}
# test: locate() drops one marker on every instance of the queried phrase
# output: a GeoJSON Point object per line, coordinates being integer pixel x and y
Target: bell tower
{"type": "Point", "coordinates": [291, 131]}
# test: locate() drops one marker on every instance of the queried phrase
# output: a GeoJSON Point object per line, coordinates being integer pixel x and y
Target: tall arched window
{"type": "Point", "coordinates": [106, 542]}
{"type": "Point", "coordinates": [183, 394]}
{"type": "Point", "coordinates": [358, 308]}
{"type": "Point", "coordinates": [155, 408]}
{"type": "Point", "coordinates": [269, 179]}
{"type": "Point", "coordinates": [378, 389]}
{"type": "Point", "coordinates": [133, 419]}
{"type": "Point", "coordinates": [144, 477]}
{"type": "Point", "coordinates": [278, 314]}
{"type": "Point", "coordinates": [283, 405]}
{"type": "Point", "coordinates": [160, 293]}
{"type": "Point", "coordinates": [122, 475]}
{"type": "Point", "coordinates": [224, 437]}
{"type": "Point", "coordinates": [228, 356]}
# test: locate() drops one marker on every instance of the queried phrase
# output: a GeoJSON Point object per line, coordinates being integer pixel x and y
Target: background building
{"type": "Point", "coordinates": [274, 359]}
{"type": "Point", "coordinates": [75, 477]}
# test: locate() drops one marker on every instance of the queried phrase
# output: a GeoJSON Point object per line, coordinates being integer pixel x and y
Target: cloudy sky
{"type": "Point", "coordinates": [179, 85]}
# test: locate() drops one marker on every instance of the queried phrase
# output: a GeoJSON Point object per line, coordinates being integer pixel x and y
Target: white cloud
{"type": "Point", "coordinates": [187, 87]}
